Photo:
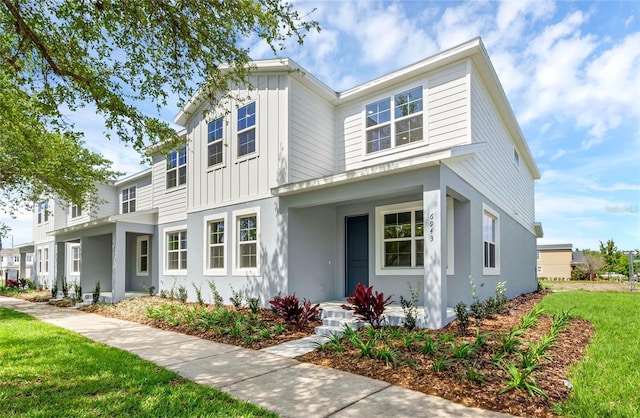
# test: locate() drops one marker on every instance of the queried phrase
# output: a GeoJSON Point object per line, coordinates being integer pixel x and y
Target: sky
{"type": "Point", "coordinates": [570, 70]}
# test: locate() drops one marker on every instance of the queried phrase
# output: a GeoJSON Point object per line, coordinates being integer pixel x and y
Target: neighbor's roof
{"type": "Point", "coordinates": [555, 247]}
{"type": "Point", "coordinates": [473, 49]}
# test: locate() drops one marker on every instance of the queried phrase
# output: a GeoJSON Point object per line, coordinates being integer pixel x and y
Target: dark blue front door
{"type": "Point", "coordinates": [357, 256]}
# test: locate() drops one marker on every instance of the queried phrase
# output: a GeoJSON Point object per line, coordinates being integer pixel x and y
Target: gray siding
{"type": "Point", "coordinates": [492, 171]}
{"type": "Point", "coordinates": [171, 203]}
{"type": "Point", "coordinates": [311, 134]}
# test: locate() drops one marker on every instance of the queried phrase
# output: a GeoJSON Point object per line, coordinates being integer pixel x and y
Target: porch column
{"type": "Point", "coordinates": [118, 258]}
{"type": "Point", "coordinates": [435, 298]}
{"type": "Point", "coordinates": [59, 257]}
{"type": "Point", "coordinates": [23, 266]}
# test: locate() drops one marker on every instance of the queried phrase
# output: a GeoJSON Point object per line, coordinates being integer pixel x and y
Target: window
{"type": "Point", "coordinates": [516, 158]}
{"type": "Point", "coordinates": [216, 244]}
{"type": "Point", "coordinates": [129, 199]}
{"type": "Point", "coordinates": [214, 138]}
{"type": "Point", "coordinates": [539, 269]}
{"type": "Point", "coordinates": [247, 242]}
{"type": "Point", "coordinates": [490, 234]}
{"type": "Point", "coordinates": [29, 259]}
{"type": "Point", "coordinates": [142, 259]}
{"type": "Point", "coordinates": [45, 256]}
{"type": "Point", "coordinates": [76, 211]}
{"type": "Point", "coordinates": [39, 254]}
{"type": "Point", "coordinates": [404, 127]}
{"type": "Point", "coordinates": [43, 211]}
{"type": "Point", "coordinates": [247, 129]}
{"type": "Point", "coordinates": [400, 237]}
{"type": "Point", "coordinates": [537, 255]}
{"type": "Point", "coordinates": [75, 259]}
{"type": "Point", "coordinates": [177, 167]}
{"type": "Point", "coordinates": [177, 250]}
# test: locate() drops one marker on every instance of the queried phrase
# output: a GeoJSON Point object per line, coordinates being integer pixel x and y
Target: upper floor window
{"type": "Point", "coordinates": [214, 139]}
{"type": "Point", "coordinates": [516, 158]}
{"type": "Point", "coordinates": [76, 211]}
{"type": "Point", "coordinates": [129, 199]}
{"type": "Point", "coordinates": [29, 259]}
{"type": "Point", "coordinates": [537, 255]}
{"type": "Point", "coordinates": [402, 126]}
{"type": "Point", "coordinates": [491, 241]}
{"type": "Point", "coordinates": [177, 167]}
{"type": "Point", "coordinates": [247, 129]}
{"type": "Point", "coordinates": [43, 211]}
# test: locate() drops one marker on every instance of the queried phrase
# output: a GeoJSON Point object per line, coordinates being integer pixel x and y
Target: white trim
{"type": "Point", "coordinates": [45, 260]}
{"type": "Point", "coordinates": [139, 240]}
{"type": "Point", "coordinates": [450, 236]}
{"type": "Point", "coordinates": [379, 237]}
{"type": "Point", "coordinates": [491, 271]}
{"type": "Point", "coordinates": [237, 271]}
{"type": "Point", "coordinates": [165, 260]}
{"type": "Point", "coordinates": [205, 267]}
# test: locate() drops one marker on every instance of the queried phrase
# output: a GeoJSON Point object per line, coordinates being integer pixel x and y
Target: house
{"type": "Point", "coordinates": [557, 261]}
{"type": "Point", "coordinates": [15, 264]}
{"type": "Point", "coordinates": [419, 177]}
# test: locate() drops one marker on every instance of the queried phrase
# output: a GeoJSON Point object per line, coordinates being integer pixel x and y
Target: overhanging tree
{"type": "Point", "coordinates": [114, 55]}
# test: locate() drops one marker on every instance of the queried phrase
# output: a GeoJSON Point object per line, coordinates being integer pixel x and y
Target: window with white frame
{"type": "Point", "coordinates": [214, 140]}
{"type": "Point", "coordinates": [29, 259]}
{"type": "Point", "coordinates": [539, 269]}
{"type": "Point", "coordinates": [43, 211]}
{"type": "Point", "coordinates": [247, 129]}
{"type": "Point", "coordinates": [177, 167]}
{"type": "Point", "coordinates": [45, 256]}
{"type": "Point", "coordinates": [142, 255]}
{"type": "Point", "coordinates": [400, 237]}
{"type": "Point", "coordinates": [516, 158]}
{"type": "Point", "coordinates": [216, 244]}
{"type": "Point", "coordinates": [537, 255]}
{"type": "Point", "coordinates": [76, 211]}
{"type": "Point", "coordinates": [75, 259]}
{"type": "Point", "coordinates": [129, 199]}
{"type": "Point", "coordinates": [386, 129]}
{"type": "Point", "coordinates": [246, 237]}
{"type": "Point", "coordinates": [491, 241]}
{"type": "Point", "coordinates": [177, 250]}
{"type": "Point", "coordinates": [46, 210]}
{"type": "Point", "coordinates": [39, 255]}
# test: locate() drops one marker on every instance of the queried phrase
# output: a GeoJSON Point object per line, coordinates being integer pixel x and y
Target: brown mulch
{"type": "Point", "coordinates": [414, 370]}
{"type": "Point", "coordinates": [135, 310]}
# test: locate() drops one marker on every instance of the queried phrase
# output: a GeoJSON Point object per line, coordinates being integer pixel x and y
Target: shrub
{"type": "Point", "coordinates": [29, 284]}
{"type": "Point", "coordinates": [410, 307]}
{"type": "Point", "coordinates": [236, 298]}
{"type": "Point", "coordinates": [368, 305]}
{"type": "Point", "coordinates": [290, 309]}
{"type": "Point", "coordinates": [478, 311]}
{"type": "Point", "coordinates": [54, 290]}
{"type": "Point", "coordinates": [65, 288]}
{"type": "Point", "coordinates": [198, 294]}
{"type": "Point", "coordinates": [463, 317]}
{"type": "Point", "coordinates": [149, 289]}
{"type": "Point", "coordinates": [182, 294]}
{"type": "Point", "coordinates": [253, 304]}
{"type": "Point", "coordinates": [96, 292]}
{"type": "Point", "coordinates": [216, 298]}
{"type": "Point", "coordinates": [78, 291]}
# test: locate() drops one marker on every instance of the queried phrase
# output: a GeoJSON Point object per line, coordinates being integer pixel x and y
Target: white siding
{"type": "Point", "coordinates": [172, 203]}
{"type": "Point", "coordinates": [492, 170]}
{"type": "Point", "coordinates": [144, 192]}
{"type": "Point", "coordinates": [446, 116]}
{"type": "Point", "coordinates": [248, 177]}
{"type": "Point", "coordinates": [311, 136]}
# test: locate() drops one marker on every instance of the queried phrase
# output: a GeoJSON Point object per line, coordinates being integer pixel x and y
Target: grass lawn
{"type": "Point", "coordinates": [607, 382]}
{"type": "Point", "coordinates": [46, 371]}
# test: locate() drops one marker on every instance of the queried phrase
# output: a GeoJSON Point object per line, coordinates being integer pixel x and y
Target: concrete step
{"type": "Point", "coordinates": [329, 330]}
{"type": "Point", "coordinates": [335, 313]}
{"type": "Point", "coordinates": [341, 322]}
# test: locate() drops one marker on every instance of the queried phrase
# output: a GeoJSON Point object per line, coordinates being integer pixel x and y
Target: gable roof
{"type": "Point", "coordinates": [473, 50]}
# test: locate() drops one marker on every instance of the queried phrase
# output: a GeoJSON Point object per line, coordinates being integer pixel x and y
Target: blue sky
{"type": "Point", "coordinates": [571, 71]}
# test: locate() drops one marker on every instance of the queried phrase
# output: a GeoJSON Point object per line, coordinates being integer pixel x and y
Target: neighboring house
{"type": "Point", "coordinates": [421, 176]}
{"type": "Point", "coordinates": [15, 264]}
{"type": "Point", "coordinates": [557, 261]}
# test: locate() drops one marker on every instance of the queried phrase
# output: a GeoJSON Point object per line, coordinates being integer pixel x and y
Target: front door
{"type": "Point", "coordinates": [357, 252]}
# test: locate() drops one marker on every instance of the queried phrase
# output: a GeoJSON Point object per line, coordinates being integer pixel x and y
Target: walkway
{"type": "Point", "coordinates": [281, 384]}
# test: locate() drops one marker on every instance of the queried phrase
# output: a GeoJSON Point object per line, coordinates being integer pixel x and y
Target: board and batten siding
{"type": "Point", "coordinates": [249, 177]}
{"type": "Point", "coordinates": [446, 119]}
{"type": "Point", "coordinates": [144, 191]}
{"type": "Point", "coordinates": [171, 203]}
{"type": "Point", "coordinates": [492, 171]}
{"type": "Point", "coordinates": [311, 151]}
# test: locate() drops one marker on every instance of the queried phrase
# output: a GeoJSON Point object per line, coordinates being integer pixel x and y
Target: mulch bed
{"type": "Point", "coordinates": [451, 383]}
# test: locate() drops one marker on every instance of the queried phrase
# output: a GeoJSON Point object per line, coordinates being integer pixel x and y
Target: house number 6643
{"type": "Point", "coordinates": [431, 226]}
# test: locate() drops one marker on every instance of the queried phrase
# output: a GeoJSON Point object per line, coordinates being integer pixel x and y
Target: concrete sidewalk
{"type": "Point", "coordinates": [281, 384]}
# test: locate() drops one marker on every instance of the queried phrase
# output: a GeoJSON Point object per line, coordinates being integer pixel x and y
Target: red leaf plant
{"type": "Point", "coordinates": [367, 304]}
{"type": "Point", "coordinates": [290, 309]}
